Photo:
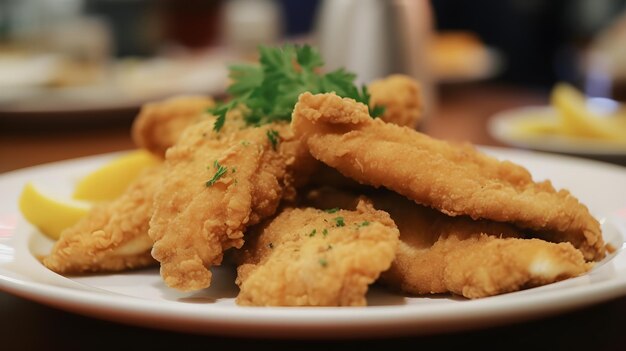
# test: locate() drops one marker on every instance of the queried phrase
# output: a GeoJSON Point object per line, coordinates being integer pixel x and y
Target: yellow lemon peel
{"type": "Point", "coordinates": [49, 214]}
{"type": "Point", "coordinates": [109, 181]}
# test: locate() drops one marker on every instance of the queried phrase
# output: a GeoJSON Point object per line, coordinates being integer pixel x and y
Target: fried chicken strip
{"type": "Point", "coordinates": [457, 180]}
{"type": "Point", "coordinates": [113, 236]}
{"type": "Point", "coordinates": [159, 124]}
{"type": "Point", "coordinates": [505, 265]}
{"type": "Point", "coordinates": [440, 254]}
{"type": "Point", "coordinates": [217, 184]}
{"type": "Point", "coordinates": [308, 257]}
{"type": "Point", "coordinates": [400, 95]}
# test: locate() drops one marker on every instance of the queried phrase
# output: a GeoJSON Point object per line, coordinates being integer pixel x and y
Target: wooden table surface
{"type": "Point", "coordinates": [462, 114]}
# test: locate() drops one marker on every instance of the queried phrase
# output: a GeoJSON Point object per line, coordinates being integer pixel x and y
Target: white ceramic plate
{"type": "Point", "coordinates": [126, 84]}
{"type": "Point", "coordinates": [502, 127]}
{"type": "Point", "coordinates": [141, 298]}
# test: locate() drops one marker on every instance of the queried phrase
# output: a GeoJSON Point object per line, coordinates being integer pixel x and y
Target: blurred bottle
{"type": "Point", "coordinates": [86, 39]}
{"type": "Point", "coordinates": [375, 38]}
{"type": "Point", "coordinates": [250, 23]}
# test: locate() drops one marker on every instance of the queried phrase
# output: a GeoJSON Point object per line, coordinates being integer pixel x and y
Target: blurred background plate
{"type": "Point", "coordinates": [505, 127]}
{"type": "Point", "coordinates": [43, 85]}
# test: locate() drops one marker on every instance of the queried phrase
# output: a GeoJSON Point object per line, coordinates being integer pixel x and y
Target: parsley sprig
{"type": "Point", "coordinates": [273, 136]}
{"type": "Point", "coordinates": [220, 171]}
{"type": "Point", "coordinates": [269, 91]}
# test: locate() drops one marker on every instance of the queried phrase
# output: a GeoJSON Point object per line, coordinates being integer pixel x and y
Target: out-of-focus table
{"type": "Point", "coordinates": [462, 115]}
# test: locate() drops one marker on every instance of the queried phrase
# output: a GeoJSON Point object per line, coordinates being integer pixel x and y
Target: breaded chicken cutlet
{"type": "Point", "coordinates": [113, 236]}
{"type": "Point", "coordinates": [440, 254]}
{"type": "Point", "coordinates": [472, 258]}
{"type": "Point", "coordinates": [456, 180]}
{"type": "Point", "coordinates": [400, 95]}
{"type": "Point", "coordinates": [216, 185]}
{"type": "Point", "coordinates": [308, 257]}
{"type": "Point", "coordinates": [159, 124]}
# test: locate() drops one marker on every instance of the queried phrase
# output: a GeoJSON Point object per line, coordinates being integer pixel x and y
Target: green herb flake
{"type": "Point", "coordinates": [312, 233]}
{"type": "Point", "coordinates": [220, 112]}
{"type": "Point", "coordinates": [339, 221]}
{"type": "Point", "coordinates": [325, 232]}
{"type": "Point", "coordinates": [332, 210]}
{"type": "Point", "coordinates": [364, 224]}
{"type": "Point", "coordinates": [221, 170]}
{"type": "Point", "coordinates": [323, 262]}
{"type": "Point", "coordinates": [273, 136]}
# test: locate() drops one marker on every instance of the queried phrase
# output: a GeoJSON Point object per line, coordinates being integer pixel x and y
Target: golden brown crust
{"type": "Point", "coordinates": [401, 97]}
{"type": "Point", "coordinates": [193, 223]}
{"type": "Point", "coordinates": [113, 236]}
{"type": "Point", "coordinates": [457, 180]}
{"type": "Point", "coordinates": [308, 257]}
{"type": "Point", "coordinates": [440, 254]}
{"type": "Point", "coordinates": [506, 265]}
{"type": "Point", "coordinates": [159, 124]}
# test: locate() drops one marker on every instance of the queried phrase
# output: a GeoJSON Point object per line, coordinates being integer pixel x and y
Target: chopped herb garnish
{"type": "Point", "coordinates": [312, 233]}
{"type": "Point", "coordinates": [325, 232]}
{"type": "Point", "coordinates": [364, 224]}
{"type": "Point", "coordinates": [221, 170]}
{"type": "Point", "coordinates": [332, 210]}
{"type": "Point", "coordinates": [323, 262]}
{"type": "Point", "coordinates": [245, 143]}
{"type": "Point", "coordinates": [272, 135]}
{"type": "Point", "coordinates": [339, 221]}
{"type": "Point", "coordinates": [329, 247]}
{"type": "Point", "coordinates": [270, 90]}
{"type": "Point", "coordinates": [220, 112]}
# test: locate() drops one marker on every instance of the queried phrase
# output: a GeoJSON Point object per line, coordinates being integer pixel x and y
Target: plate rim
{"type": "Point", "coordinates": [318, 322]}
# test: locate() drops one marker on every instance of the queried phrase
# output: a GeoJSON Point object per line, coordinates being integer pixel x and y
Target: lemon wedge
{"type": "Point", "coordinates": [110, 181]}
{"type": "Point", "coordinates": [577, 120]}
{"type": "Point", "coordinates": [49, 214]}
